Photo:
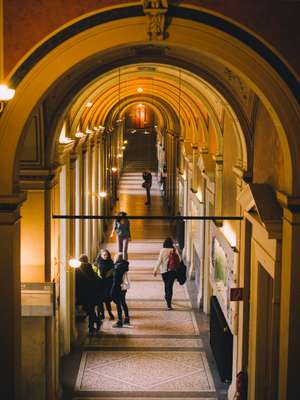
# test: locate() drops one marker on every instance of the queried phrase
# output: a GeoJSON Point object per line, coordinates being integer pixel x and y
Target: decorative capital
{"type": "Point", "coordinates": [155, 11]}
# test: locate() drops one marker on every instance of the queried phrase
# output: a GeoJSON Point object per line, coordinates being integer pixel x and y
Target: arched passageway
{"type": "Point", "coordinates": [210, 110]}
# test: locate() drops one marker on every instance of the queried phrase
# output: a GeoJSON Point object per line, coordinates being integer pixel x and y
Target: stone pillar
{"type": "Point", "coordinates": [71, 235]}
{"type": "Point", "coordinates": [194, 182]}
{"type": "Point", "coordinates": [10, 299]}
{"type": "Point", "coordinates": [219, 185]}
{"type": "Point", "coordinates": [289, 344]}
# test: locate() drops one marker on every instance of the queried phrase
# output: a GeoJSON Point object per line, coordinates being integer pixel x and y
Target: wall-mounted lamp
{"type": "Point", "coordinates": [125, 141]}
{"type": "Point", "coordinates": [114, 169]}
{"type": "Point", "coordinates": [80, 134]}
{"type": "Point", "coordinates": [119, 155]}
{"type": "Point", "coordinates": [89, 104]}
{"type": "Point", "coordinates": [65, 140]}
{"type": "Point", "coordinates": [103, 194]}
{"type": "Point", "coordinates": [123, 147]}
{"type": "Point", "coordinates": [6, 94]}
{"type": "Point", "coordinates": [74, 263]}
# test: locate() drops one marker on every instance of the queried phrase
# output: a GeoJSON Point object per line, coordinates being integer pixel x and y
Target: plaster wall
{"type": "Point", "coordinates": [32, 238]}
{"type": "Point", "coordinates": [27, 25]}
{"type": "Point", "coordinates": [33, 358]}
{"type": "Point", "coordinates": [268, 164]}
{"type": "Point", "coordinates": [33, 270]}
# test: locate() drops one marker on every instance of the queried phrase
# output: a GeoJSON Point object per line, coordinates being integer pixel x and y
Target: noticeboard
{"type": "Point", "coordinates": [37, 299]}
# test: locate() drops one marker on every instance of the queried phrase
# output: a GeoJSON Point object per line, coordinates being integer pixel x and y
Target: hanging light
{"type": "Point", "coordinates": [140, 90]}
{"type": "Point", "coordinates": [74, 263]}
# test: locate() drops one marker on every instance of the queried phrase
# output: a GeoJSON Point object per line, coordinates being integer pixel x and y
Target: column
{"type": "Point", "coordinates": [289, 345]}
{"type": "Point", "coordinates": [10, 299]}
{"type": "Point", "coordinates": [72, 243]}
{"type": "Point", "coordinates": [195, 154]}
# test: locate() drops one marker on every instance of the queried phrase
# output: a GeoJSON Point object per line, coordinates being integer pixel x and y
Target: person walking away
{"type": "Point", "coordinates": [147, 176]}
{"type": "Point", "coordinates": [122, 229]}
{"type": "Point", "coordinates": [88, 287]}
{"type": "Point", "coordinates": [167, 262]}
{"type": "Point", "coordinates": [105, 266]}
{"type": "Point", "coordinates": [163, 180]}
{"type": "Point", "coordinates": [118, 292]}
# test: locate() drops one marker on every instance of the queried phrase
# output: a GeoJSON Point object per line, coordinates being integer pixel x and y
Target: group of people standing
{"type": "Point", "coordinates": [101, 284]}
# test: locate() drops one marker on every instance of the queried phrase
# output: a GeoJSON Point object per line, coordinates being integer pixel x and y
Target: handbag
{"type": "Point", "coordinates": [181, 273]}
{"type": "Point", "coordinates": [125, 285]}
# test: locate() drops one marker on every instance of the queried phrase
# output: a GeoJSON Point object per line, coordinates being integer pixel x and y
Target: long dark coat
{"type": "Point", "coordinates": [88, 285]}
{"type": "Point", "coordinates": [106, 268]}
{"type": "Point", "coordinates": [119, 270]}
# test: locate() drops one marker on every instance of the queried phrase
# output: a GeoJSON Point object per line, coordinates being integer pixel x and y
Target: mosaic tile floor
{"type": "Point", "coordinates": [161, 355]}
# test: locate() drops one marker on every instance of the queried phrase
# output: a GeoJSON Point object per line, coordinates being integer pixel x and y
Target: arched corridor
{"type": "Point", "coordinates": [207, 98]}
{"type": "Point", "coordinates": [162, 352]}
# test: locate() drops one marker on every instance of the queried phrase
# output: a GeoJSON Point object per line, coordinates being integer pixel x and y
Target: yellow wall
{"type": "Point", "coordinates": [32, 238]}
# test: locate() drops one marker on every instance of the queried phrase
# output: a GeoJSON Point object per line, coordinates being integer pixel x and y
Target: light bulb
{"type": "Point", "coordinates": [6, 93]}
{"type": "Point", "coordinates": [74, 263]}
{"type": "Point", "coordinates": [140, 90]}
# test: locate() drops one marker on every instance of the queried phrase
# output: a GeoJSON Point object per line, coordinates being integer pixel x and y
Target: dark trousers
{"type": "Point", "coordinates": [120, 301]}
{"type": "Point", "coordinates": [101, 307]}
{"type": "Point", "coordinates": [92, 317]}
{"type": "Point", "coordinates": [169, 279]}
{"type": "Point", "coordinates": [148, 194]}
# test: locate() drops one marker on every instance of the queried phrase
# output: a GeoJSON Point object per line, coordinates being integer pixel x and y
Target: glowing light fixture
{"type": "Point", "coordinates": [6, 93]}
{"type": "Point", "coordinates": [74, 263]}
{"type": "Point", "coordinates": [114, 169]}
{"type": "Point", "coordinates": [65, 140]}
{"type": "Point", "coordinates": [89, 104]}
{"type": "Point", "coordinates": [140, 90]}
{"type": "Point", "coordinates": [88, 130]}
{"type": "Point", "coordinates": [125, 141]}
{"type": "Point", "coordinates": [141, 105]}
{"type": "Point", "coordinates": [102, 194]}
{"type": "Point", "coordinates": [123, 147]}
{"type": "Point", "coordinates": [119, 155]}
{"type": "Point", "coordinates": [101, 128]}
{"type": "Point", "coordinates": [80, 134]}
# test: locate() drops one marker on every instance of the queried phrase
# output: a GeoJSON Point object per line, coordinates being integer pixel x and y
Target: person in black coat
{"type": "Point", "coordinates": [118, 294]}
{"type": "Point", "coordinates": [105, 266]}
{"type": "Point", "coordinates": [147, 176]}
{"type": "Point", "coordinates": [88, 287]}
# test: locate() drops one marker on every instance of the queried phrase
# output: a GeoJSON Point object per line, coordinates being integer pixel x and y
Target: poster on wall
{"type": "Point", "coordinates": [223, 264]}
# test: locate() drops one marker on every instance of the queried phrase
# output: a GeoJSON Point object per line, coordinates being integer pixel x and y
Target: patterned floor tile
{"type": "Point", "coordinates": [155, 322]}
{"type": "Point", "coordinates": [144, 342]}
{"type": "Point", "coordinates": [129, 371]}
{"type": "Point", "coordinates": [154, 290]}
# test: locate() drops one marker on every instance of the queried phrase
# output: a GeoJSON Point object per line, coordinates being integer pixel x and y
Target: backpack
{"type": "Point", "coordinates": [173, 261]}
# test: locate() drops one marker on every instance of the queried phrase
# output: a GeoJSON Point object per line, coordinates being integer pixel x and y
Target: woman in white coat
{"type": "Point", "coordinates": [167, 261]}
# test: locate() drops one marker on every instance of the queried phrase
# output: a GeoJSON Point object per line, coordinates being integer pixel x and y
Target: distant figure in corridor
{"type": "Point", "coordinates": [167, 256]}
{"type": "Point", "coordinates": [147, 185]}
{"type": "Point", "coordinates": [122, 229]}
{"type": "Point", "coordinates": [105, 267]}
{"type": "Point", "coordinates": [88, 291]}
{"type": "Point", "coordinates": [119, 290]}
